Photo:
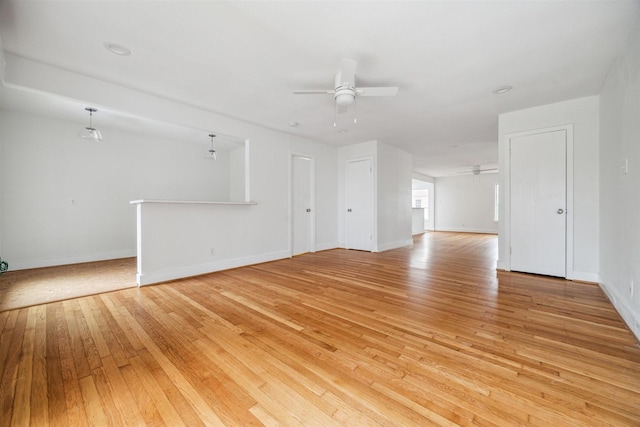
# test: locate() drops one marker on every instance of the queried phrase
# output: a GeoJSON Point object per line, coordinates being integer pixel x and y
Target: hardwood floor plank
{"type": "Point", "coordinates": [73, 395]}
{"type": "Point", "coordinates": [170, 389]}
{"type": "Point", "coordinates": [432, 417]}
{"type": "Point", "coordinates": [109, 401]}
{"type": "Point", "coordinates": [87, 350]}
{"type": "Point", "coordinates": [208, 416]}
{"type": "Point", "coordinates": [116, 343]}
{"type": "Point", "coordinates": [423, 335]}
{"type": "Point", "coordinates": [145, 403]}
{"type": "Point", "coordinates": [167, 386]}
{"type": "Point", "coordinates": [25, 371]}
{"type": "Point", "coordinates": [94, 330]}
{"type": "Point", "coordinates": [238, 358]}
{"type": "Point", "coordinates": [154, 389]}
{"type": "Point", "coordinates": [39, 403]}
{"type": "Point", "coordinates": [96, 415]}
{"type": "Point", "coordinates": [220, 392]}
{"type": "Point", "coordinates": [57, 404]}
{"type": "Point", "coordinates": [10, 339]}
{"type": "Point", "coordinates": [81, 364]}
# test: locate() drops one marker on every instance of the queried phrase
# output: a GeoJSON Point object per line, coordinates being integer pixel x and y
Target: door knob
{"type": "Point", "coordinates": [560, 211]}
{"type": "Point", "coordinates": [308, 210]}
{"type": "Point", "coordinates": [348, 210]}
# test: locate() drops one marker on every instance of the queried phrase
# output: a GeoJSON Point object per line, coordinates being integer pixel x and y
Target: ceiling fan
{"type": "Point", "coordinates": [477, 170]}
{"type": "Point", "coordinates": [345, 90]}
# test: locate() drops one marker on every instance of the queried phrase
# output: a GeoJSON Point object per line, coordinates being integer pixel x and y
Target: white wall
{"type": "Point", "coordinates": [417, 222]}
{"type": "Point", "coordinates": [620, 192]}
{"type": "Point", "coordinates": [466, 203]}
{"type": "Point", "coordinates": [44, 167]}
{"type": "Point", "coordinates": [66, 199]}
{"type": "Point", "coordinates": [429, 181]}
{"type": "Point", "coordinates": [583, 115]}
{"type": "Point", "coordinates": [237, 180]}
{"type": "Point", "coordinates": [394, 198]}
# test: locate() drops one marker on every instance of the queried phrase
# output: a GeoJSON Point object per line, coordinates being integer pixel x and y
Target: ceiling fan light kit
{"type": "Point", "coordinates": [345, 90]}
{"type": "Point", "coordinates": [345, 96]}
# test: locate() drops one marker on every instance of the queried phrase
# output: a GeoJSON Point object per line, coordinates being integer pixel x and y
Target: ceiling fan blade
{"type": "Point", "coordinates": [313, 92]}
{"type": "Point", "coordinates": [347, 73]}
{"type": "Point", "coordinates": [477, 171]}
{"type": "Point", "coordinates": [377, 91]}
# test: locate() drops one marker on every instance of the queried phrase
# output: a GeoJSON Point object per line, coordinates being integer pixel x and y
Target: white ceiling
{"type": "Point", "coordinates": [244, 59]}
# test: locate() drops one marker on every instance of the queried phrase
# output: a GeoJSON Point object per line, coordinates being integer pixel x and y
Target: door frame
{"type": "Point", "coordinates": [569, 194]}
{"type": "Point", "coordinates": [312, 200]}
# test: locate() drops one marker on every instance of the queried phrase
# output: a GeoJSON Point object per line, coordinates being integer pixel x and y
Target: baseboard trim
{"type": "Point", "coordinates": [393, 245]}
{"type": "Point", "coordinates": [149, 278]}
{"type": "Point", "coordinates": [469, 230]}
{"type": "Point", "coordinates": [327, 246]}
{"type": "Point", "coordinates": [584, 276]}
{"type": "Point", "coordinates": [620, 304]}
{"type": "Point", "coordinates": [52, 262]}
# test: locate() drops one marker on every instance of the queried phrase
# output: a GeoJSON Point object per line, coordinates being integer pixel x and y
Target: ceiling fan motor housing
{"type": "Point", "coordinates": [345, 93]}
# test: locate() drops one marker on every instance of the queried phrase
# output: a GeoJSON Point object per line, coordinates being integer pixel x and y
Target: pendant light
{"type": "Point", "coordinates": [90, 132]}
{"type": "Point", "coordinates": [211, 154]}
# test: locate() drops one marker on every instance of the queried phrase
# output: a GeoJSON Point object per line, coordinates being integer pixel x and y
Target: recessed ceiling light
{"type": "Point", "coordinates": [343, 131]}
{"type": "Point", "coordinates": [502, 89]}
{"type": "Point", "coordinates": [117, 49]}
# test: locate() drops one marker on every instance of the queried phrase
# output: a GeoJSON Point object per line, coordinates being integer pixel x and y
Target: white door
{"type": "Point", "coordinates": [301, 205]}
{"type": "Point", "coordinates": [538, 203]}
{"type": "Point", "coordinates": [360, 205]}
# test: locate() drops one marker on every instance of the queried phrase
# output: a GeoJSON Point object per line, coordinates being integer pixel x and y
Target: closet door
{"type": "Point", "coordinates": [302, 215]}
{"type": "Point", "coordinates": [359, 205]}
{"type": "Point", "coordinates": [538, 197]}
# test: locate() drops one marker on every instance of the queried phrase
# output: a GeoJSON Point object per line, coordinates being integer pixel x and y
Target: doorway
{"type": "Point", "coordinates": [422, 196]}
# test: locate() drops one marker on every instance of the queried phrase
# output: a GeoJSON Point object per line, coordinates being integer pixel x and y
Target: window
{"type": "Point", "coordinates": [420, 198]}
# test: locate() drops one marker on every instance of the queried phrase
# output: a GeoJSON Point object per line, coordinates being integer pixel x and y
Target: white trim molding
{"type": "Point", "coordinates": [620, 303]}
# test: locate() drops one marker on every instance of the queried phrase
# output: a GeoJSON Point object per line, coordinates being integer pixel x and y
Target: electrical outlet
{"type": "Point", "coordinates": [624, 167]}
{"type": "Point", "coordinates": [631, 288]}
{"type": "Point", "coordinates": [212, 251]}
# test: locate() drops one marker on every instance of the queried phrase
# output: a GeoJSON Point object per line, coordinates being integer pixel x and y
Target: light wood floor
{"type": "Point", "coordinates": [423, 336]}
{"type": "Point", "coordinates": [23, 288]}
